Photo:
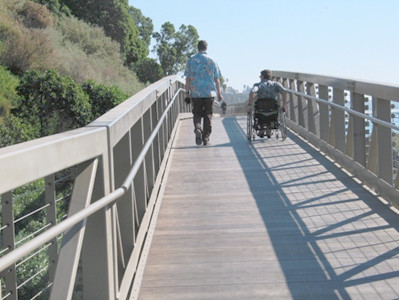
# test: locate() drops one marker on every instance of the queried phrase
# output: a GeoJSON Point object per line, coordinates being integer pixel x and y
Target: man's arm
{"type": "Point", "coordinates": [188, 83]}
{"type": "Point", "coordinates": [250, 101]}
{"type": "Point", "coordinates": [219, 94]}
{"type": "Point", "coordinates": [284, 97]}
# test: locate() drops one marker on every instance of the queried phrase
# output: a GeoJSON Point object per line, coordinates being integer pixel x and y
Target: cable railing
{"type": "Point", "coordinates": [351, 121]}
{"type": "Point", "coordinates": [232, 109]}
{"type": "Point", "coordinates": [115, 165]}
{"type": "Point", "coordinates": [95, 188]}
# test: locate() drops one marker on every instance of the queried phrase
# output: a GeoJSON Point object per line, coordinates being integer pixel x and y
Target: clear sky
{"type": "Point", "coordinates": [355, 39]}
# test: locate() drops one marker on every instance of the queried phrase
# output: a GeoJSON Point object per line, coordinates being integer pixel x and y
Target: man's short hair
{"type": "Point", "coordinates": [267, 74]}
{"type": "Point", "coordinates": [202, 45]}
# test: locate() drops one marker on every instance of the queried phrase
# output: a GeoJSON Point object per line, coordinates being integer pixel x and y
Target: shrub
{"type": "Point", "coordinates": [56, 6]}
{"type": "Point", "coordinates": [86, 53]}
{"type": "Point", "coordinates": [90, 38]}
{"type": "Point", "coordinates": [102, 98]}
{"type": "Point", "coordinates": [24, 49]}
{"type": "Point", "coordinates": [5, 107]}
{"type": "Point", "coordinates": [27, 199]}
{"type": "Point", "coordinates": [52, 102]}
{"type": "Point", "coordinates": [8, 94]}
{"type": "Point", "coordinates": [14, 130]}
{"type": "Point", "coordinates": [7, 7]}
{"type": "Point", "coordinates": [148, 70]}
{"type": "Point", "coordinates": [35, 15]}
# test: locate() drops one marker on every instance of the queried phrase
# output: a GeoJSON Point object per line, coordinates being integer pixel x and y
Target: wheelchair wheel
{"type": "Point", "coordinates": [282, 127]}
{"type": "Point", "coordinates": [249, 127]}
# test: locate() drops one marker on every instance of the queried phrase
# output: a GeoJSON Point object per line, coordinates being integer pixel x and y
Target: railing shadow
{"type": "Point", "coordinates": [327, 239]}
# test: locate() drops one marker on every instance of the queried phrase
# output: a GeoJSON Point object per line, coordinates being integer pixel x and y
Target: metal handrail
{"type": "Point", "coordinates": [12, 257]}
{"type": "Point", "coordinates": [31, 213]}
{"type": "Point", "coordinates": [148, 144]}
{"type": "Point", "coordinates": [348, 110]}
{"type": "Point", "coordinates": [370, 156]}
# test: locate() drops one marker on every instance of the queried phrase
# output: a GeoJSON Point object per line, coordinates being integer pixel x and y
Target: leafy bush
{"type": "Point", "coordinates": [118, 24]}
{"type": "Point", "coordinates": [14, 130]}
{"type": "Point", "coordinates": [90, 38]}
{"type": "Point", "coordinates": [102, 98]}
{"type": "Point", "coordinates": [148, 70]}
{"type": "Point", "coordinates": [72, 47]}
{"type": "Point", "coordinates": [22, 49]}
{"type": "Point", "coordinates": [8, 94]}
{"type": "Point", "coordinates": [35, 269]}
{"type": "Point", "coordinates": [25, 200]}
{"type": "Point", "coordinates": [55, 6]}
{"type": "Point", "coordinates": [35, 15]}
{"type": "Point", "coordinates": [7, 7]}
{"type": "Point", "coordinates": [52, 102]}
{"type": "Point", "coordinates": [86, 53]}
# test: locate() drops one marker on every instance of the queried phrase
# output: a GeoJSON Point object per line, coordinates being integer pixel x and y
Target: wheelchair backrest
{"type": "Point", "coordinates": [267, 104]}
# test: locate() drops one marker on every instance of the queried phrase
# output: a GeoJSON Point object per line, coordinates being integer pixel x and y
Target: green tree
{"type": "Point", "coordinates": [148, 70]}
{"type": "Point", "coordinates": [85, 52]}
{"type": "Point", "coordinates": [36, 15]}
{"type": "Point", "coordinates": [14, 130]}
{"type": "Point", "coordinates": [223, 83]}
{"type": "Point", "coordinates": [52, 103]}
{"type": "Point", "coordinates": [23, 48]}
{"type": "Point", "coordinates": [143, 24]}
{"type": "Point", "coordinates": [114, 17]}
{"type": "Point", "coordinates": [175, 47]}
{"type": "Point", "coordinates": [8, 93]}
{"type": "Point", "coordinates": [102, 98]}
{"type": "Point", "coordinates": [56, 6]}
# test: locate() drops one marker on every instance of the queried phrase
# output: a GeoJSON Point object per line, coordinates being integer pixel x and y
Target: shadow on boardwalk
{"type": "Point", "coordinates": [332, 238]}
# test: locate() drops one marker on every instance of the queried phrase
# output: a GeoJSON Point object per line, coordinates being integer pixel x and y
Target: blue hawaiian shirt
{"type": "Point", "coordinates": [203, 71]}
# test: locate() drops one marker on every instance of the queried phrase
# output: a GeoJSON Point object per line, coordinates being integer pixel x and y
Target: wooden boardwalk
{"type": "Point", "coordinates": [271, 220]}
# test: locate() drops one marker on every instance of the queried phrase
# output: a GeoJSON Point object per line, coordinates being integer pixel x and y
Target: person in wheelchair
{"type": "Point", "coordinates": [265, 95]}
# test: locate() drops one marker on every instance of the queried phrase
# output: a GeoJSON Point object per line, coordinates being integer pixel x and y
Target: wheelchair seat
{"type": "Point", "coordinates": [266, 113]}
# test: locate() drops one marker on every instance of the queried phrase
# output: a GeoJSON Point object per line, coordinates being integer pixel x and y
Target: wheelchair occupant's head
{"type": "Point", "coordinates": [266, 74]}
{"type": "Point", "coordinates": [202, 46]}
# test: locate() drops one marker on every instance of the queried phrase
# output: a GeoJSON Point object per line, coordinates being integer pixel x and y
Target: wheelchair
{"type": "Point", "coordinates": [266, 119]}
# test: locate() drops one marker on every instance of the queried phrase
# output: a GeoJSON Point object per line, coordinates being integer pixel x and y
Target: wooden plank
{"type": "Point", "coordinates": [268, 220]}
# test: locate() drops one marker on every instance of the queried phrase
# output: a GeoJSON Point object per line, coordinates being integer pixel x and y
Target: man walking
{"type": "Point", "coordinates": [202, 86]}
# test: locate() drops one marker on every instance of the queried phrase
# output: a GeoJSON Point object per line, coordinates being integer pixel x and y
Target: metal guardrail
{"type": "Point", "coordinates": [351, 121]}
{"type": "Point", "coordinates": [108, 175]}
{"type": "Point", "coordinates": [116, 165]}
{"type": "Point", "coordinates": [232, 109]}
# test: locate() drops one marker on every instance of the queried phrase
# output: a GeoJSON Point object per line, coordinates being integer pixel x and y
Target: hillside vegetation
{"type": "Point", "coordinates": [81, 63]}
{"type": "Point", "coordinates": [64, 63]}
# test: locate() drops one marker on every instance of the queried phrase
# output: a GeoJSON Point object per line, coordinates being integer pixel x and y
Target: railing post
{"type": "Point", "coordinates": [122, 163]}
{"type": "Point", "coordinates": [337, 129]}
{"type": "Point", "coordinates": [7, 215]}
{"type": "Point", "coordinates": [139, 182]}
{"type": "Point", "coordinates": [161, 132]}
{"type": "Point", "coordinates": [156, 145]}
{"type": "Point", "coordinates": [149, 159]}
{"type": "Point", "coordinates": [301, 104]}
{"type": "Point", "coordinates": [384, 141]}
{"type": "Point", "coordinates": [293, 102]}
{"type": "Point", "coordinates": [372, 159]}
{"type": "Point", "coordinates": [71, 246]}
{"type": "Point", "coordinates": [324, 113]}
{"type": "Point", "coordinates": [313, 112]}
{"type": "Point", "coordinates": [359, 130]}
{"type": "Point", "coordinates": [98, 255]}
{"type": "Point", "coordinates": [50, 197]}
